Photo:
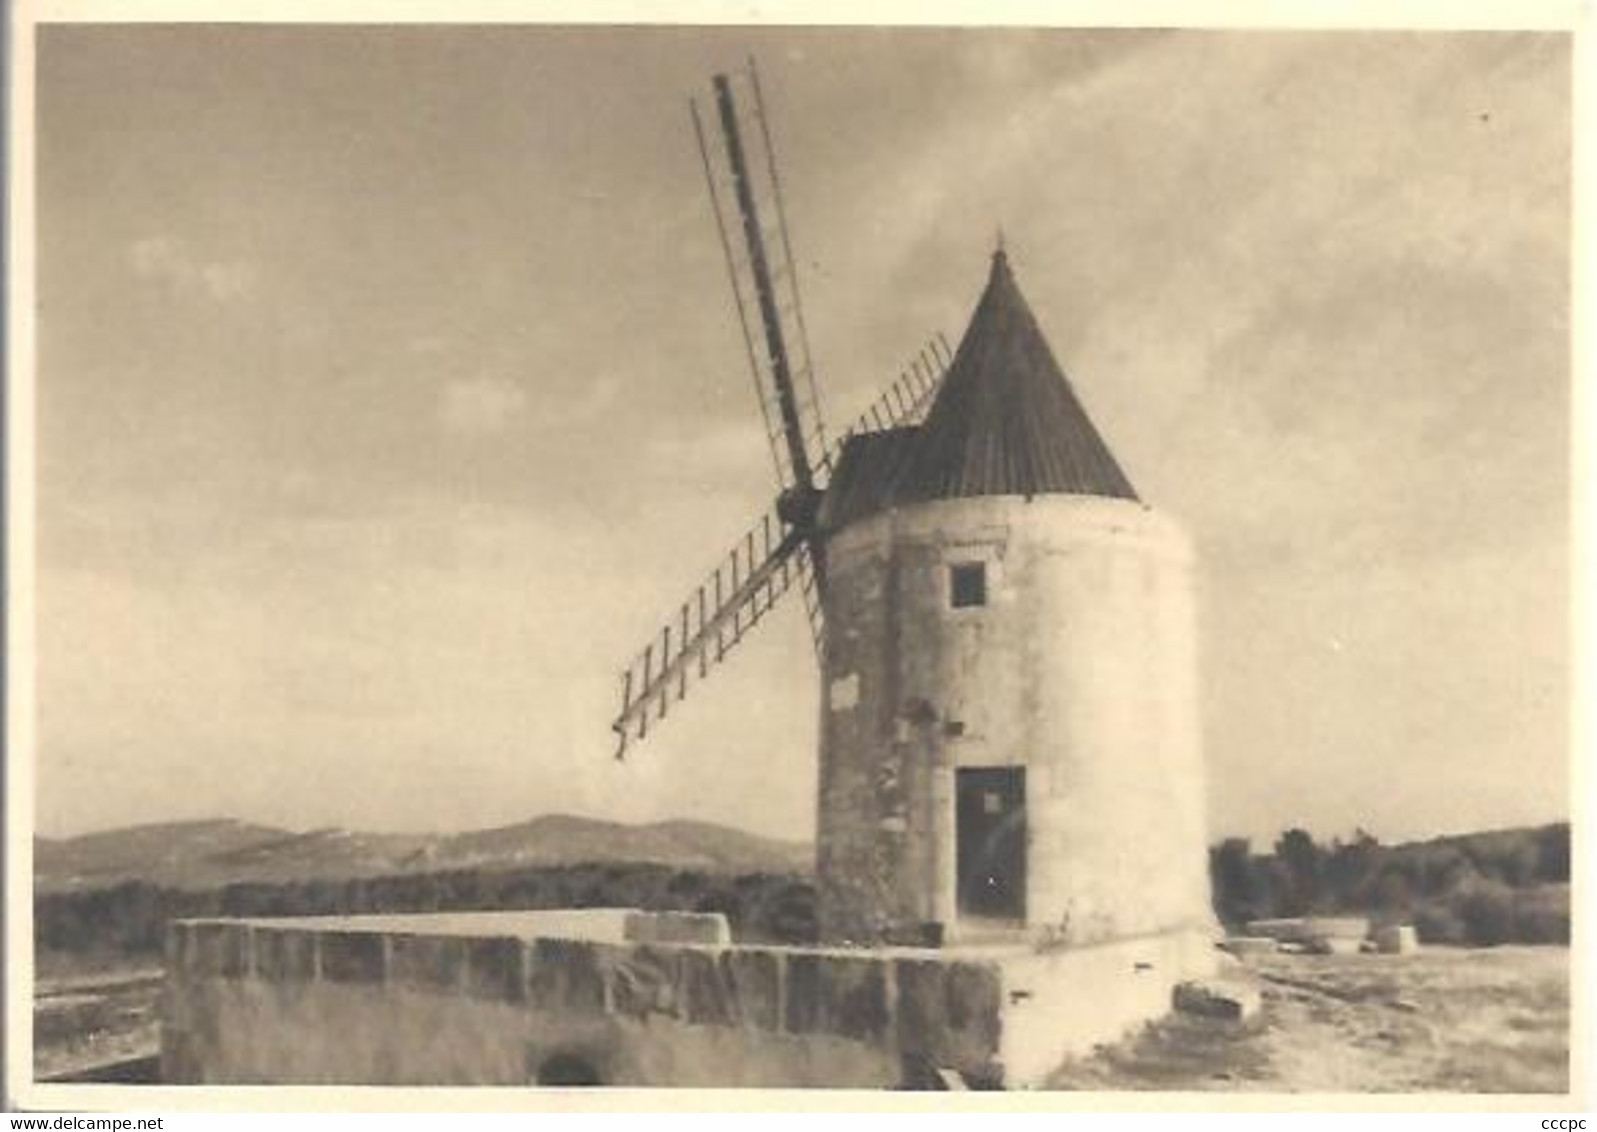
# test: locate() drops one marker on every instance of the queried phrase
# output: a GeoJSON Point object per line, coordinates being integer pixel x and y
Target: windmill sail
{"type": "Point", "coordinates": [746, 194]}
{"type": "Point", "coordinates": [743, 588]}
{"type": "Point", "coordinates": [787, 546]}
{"type": "Point", "coordinates": [905, 400]}
{"type": "Point", "coordinates": [769, 560]}
{"type": "Point", "coordinates": [903, 403]}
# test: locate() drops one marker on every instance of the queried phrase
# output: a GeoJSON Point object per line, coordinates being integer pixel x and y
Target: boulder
{"type": "Point", "coordinates": [1397, 939]}
{"type": "Point", "coordinates": [1235, 1000]}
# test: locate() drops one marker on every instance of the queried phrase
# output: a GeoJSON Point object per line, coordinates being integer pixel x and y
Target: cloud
{"type": "Point", "coordinates": [226, 281]}
{"type": "Point", "coordinates": [487, 403]}
{"type": "Point", "coordinates": [409, 642]}
{"type": "Point", "coordinates": [593, 402]}
{"type": "Point", "coordinates": [480, 406]}
{"type": "Point", "coordinates": [1315, 304]}
{"type": "Point", "coordinates": [169, 262]}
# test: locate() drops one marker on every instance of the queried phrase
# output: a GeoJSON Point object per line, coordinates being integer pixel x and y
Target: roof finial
{"type": "Point", "coordinates": [998, 248]}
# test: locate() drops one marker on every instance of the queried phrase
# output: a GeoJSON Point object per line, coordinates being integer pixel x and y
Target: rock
{"type": "Point", "coordinates": [1232, 999]}
{"type": "Point", "coordinates": [1294, 929]}
{"type": "Point", "coordinates": [1338, 927]}
{"type": "Point", "coordinates": [1249, 945]}
{"type": "Point", "coordinates": [708, 928]}
{"type": "Point", "coordinates": [1397, 939]}
{"type": "Point", "coordinates": [1338, 935]}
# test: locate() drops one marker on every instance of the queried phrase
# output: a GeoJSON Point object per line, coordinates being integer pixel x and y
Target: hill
{"type": "Point", "coordinates": [206, 855]}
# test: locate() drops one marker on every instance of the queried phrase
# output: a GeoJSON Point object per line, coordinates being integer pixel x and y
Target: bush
{"type": "Point", "coordinates": [1487, 910]}
{"type": "Point", "coordinates": [1438, 923]}
{"type": "Point", "coordinates": [1478, 889]}
{"type": "Point", "coordinates": [1541, 914]}
{"type": "Point", "coordinates": [131, 918]}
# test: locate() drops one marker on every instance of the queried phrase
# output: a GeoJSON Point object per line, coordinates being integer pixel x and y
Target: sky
{"type": "Point", "coordinates": [390, 393]}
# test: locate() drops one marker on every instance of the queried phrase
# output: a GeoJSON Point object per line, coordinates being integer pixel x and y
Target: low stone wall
{"type": "Point", "coordinates": [364, 1002]}
{"type": "Point", "coordinates": [498, 999]}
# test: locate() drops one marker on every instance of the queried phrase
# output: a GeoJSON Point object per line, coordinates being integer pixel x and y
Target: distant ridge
{"type": "Point", "coordinates": [210, 854]}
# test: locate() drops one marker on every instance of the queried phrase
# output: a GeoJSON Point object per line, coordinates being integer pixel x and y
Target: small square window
{"type": "Point", "coordinates": [967, 584]}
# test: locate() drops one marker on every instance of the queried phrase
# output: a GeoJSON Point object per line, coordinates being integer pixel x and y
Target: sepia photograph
{"type": "Point", "coordinates": [944, 557]}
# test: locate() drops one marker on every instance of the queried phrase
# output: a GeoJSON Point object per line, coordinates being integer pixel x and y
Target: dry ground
{"type": "Point", "coordinates": [1444, 1020]}
{"type": "Point", "coordinates": [88, 1015]}
{"type": "Point", "coordinates": [1450, 1020]}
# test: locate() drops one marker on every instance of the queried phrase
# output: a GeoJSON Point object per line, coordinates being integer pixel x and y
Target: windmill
{"type": "Point", "coordinates": [785, 546]}
{"type": "Point", "coordinates": [1003, 626]}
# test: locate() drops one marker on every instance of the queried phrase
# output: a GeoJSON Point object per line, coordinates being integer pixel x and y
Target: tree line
{"type": "Point", "coordinates": [130, 918]}
{"type": "Point", "coordinates": [1478, 889]}
{"type": "Point", "coordinates": [1481, 889]}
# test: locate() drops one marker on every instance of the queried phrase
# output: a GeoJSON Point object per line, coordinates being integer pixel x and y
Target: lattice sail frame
{"type": "Point", "coordinates": [745, 193]}
{"type": "Point", "coordinates": [748, 581]}
{"type": "Point", "coordinates": [783, 546]}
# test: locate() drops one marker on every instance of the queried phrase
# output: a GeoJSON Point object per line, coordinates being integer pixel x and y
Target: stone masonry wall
{"type": "Point", "coordinates": [1080, 667]}
{"type": "Point", "coordinates": [302, 1003]}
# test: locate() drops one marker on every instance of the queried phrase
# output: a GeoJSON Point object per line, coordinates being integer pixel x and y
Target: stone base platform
{"type": "Point", "coordinates": [619, 997]}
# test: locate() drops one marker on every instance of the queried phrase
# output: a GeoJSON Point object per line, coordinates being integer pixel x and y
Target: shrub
{"type": "Point", "coordinates": [1541, 914]}
{"type": "Point", "coordinates": [1437, 923]}
{"type": "Point", "coordinates": [1487, 910]}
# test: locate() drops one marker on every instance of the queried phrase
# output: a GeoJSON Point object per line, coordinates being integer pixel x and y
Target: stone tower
{"type": "Point", "coordinates": [1010, 744]}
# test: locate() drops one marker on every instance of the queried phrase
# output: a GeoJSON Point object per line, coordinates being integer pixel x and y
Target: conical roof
{"type": "Point", "coordinates": [1006, 421]}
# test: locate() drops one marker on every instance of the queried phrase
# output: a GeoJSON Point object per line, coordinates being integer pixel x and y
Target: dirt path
{"type": "Point", "coordinates": [1449, 1020]}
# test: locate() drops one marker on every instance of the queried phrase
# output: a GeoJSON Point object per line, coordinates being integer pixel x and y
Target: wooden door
{"type": "Point", "coordinates": [990, 825]}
